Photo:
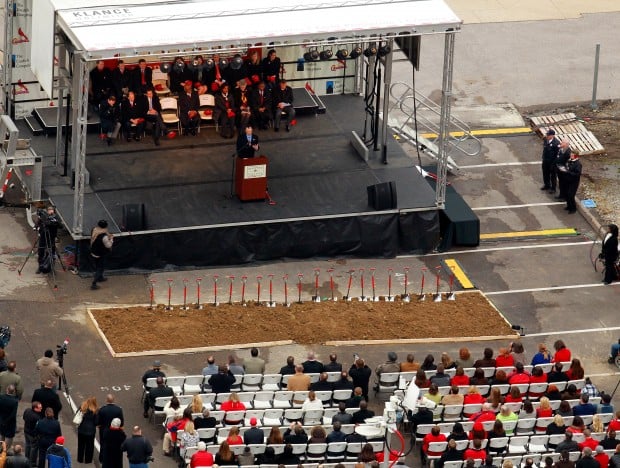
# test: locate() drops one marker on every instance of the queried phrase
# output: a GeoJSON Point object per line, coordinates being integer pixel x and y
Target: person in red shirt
{"type": "Point", "coordinates": [519, 376]}
{"type": "Point", "coordinates": [562, 353]}
{"type": "Point", "coordinates": [459, 378]}
{"type": "Point", "coordinates": [434, 436]}
{"type": "Point", "coordinates": [504, 358]}
{"type": "Point", "coordinates": [543, 411]}
{"type": "Point", "coordinates": [473, 396]}
{"type": "Point", "coordinates": [475, 453]}
{"type": "Point", "coordinates": [477, 432]}
{"type": "Point", "coordinates": [201, 457]}
{"type": "Point", "coordinates": [514, 396]}
{"type": "Point", "coordinates": [614, 424]}
{"type": "Point", "coordinates": [487, 414]}
{"type": "Point", "coordinates": [538, 376]}
{"type": "Point", "coordinates": [588, 441]}
{"type": "Point", "coordinates": [233, 436]}
{"type": "Point", "coordinates": [601, 457]}
{"type": "Point", "coordinates": [575, 371]}
{"type": "Point", "coordinates": [232, 404]}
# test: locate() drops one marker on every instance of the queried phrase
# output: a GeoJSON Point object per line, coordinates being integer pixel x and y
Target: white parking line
{"type": "Point", "coordinates": [572, 332]}
{"type": "Point", "coordinates": [517, 163]}
{"type": "Point", "coordinates": [509, 207]}
{"type": "Point", "coordinates": [551, 288]}
{"type": "Point", "coordinates": [493, 249]}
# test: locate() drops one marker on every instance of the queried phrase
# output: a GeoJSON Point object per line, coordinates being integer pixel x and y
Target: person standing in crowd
{"type": "Point", "coordinates": [139, 449]}
{"type": "Point", "coordinates": [101, 241]}
{"type": "Point", "coordinates": [47, 226]}
{"type": "Point", "coordinates": [11, 377]}
{"type": "Point", "coordinates": [573, 174]}
{"type": "Point", "coordinates": [360, 374]}
{"type": "Point", "coordinates": [142, 78]}
{"type": "Point", "coordinates": [86, 431]}
{"type": "Point", "coordinates": [254, 364]}
{"type": "Point", "coordinates": [561, 159]}
{"type": "Point", "coordinates": [111, 455]}
{"type": "Point", "coordinates": [46, 431]}
{"type": "Point", "coordinates": [551, 146]}
{"type": "Point", "coordinates": [31, 417]}
{"type": "Point", "coordinates": [107, 413]}
{"type": "Point", "coordinates": [48, 397]}
{"type": "Point", "coordinates": [8, 415]}
{"type": "Point", "coordinates": [609, 253]}
{"type": "Point", "coordinates": [48, 369]}
{"type": "Point", "coordinates": [57, 455]}
{"type": "Point", "coordinates": [100, 83]}
{"type": "Point", "coordinates": [271, 66]}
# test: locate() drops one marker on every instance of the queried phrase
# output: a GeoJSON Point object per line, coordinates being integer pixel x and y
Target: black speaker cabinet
{"type": "Point", "coordinates": [382, 196]}
{"type": "Point", "coordinates": [134, 217]}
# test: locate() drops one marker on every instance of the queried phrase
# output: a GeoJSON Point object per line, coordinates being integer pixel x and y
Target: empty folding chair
{"type": "Point", "coordinates": [453, 464]}
{"type": "Point", "coordinates": [299, 449]}
{"type": "Point", "coordinates": [176, 384]}
{"type": "Point", "coordinates": [233, 418]}
{"type": "Point", "coordinates": [237, 449]}
{"type": "Point", "coordinates": [541, 424]}
{"type": "Point", "coordinates": [299, 396]}
{"type": "Point", "coordinates": [284, 380]}
{"type": "Point", "coordinates": [151, 382]}
{"type": "Point", "coordinates": [316, 452]}
{"type": "Point", "coordinates": [606, 417]}
{"type": "Point", "coordinates": [518, 444]}
{"type": "Point", "coordinates": [293, 415]}
{"type": "Point", "coordinates": [257, 449]}
{"type": "Point", "coordinates": [282, 399]}
{"type": "Point", "coordinates": [193, 384]}
{"type": "Point", "coordinates": [341, 395]}
{"type": "Point", "coordinates": [436, 447]}
{"type": "Point", "coordinates": [462, 444]}
{"type": "Point", "coordinates": [207, 104]}
{"type": "Point", "coordinates": [218, 415]}
{"type": "Point", "coordinates": [452, 412]}
{"type": "Point", "coordinates": [488, 371]}
{"type": "Point", "coordinates": [251, 382]}
{"type": "Point", "coordinates": [537, 389]}
{"type": "Point", "coordinates": [277, 448]}
{"type": "Point", "coordinates": [525, 426]}
{"type": "Point", "coordinates": [311, 417]}
{"type": "Point", "coordinates": [333, 376]}
{"type": "Point", "coordinates": [578, 437]}
{"type": "Point", "coordinates": [422, 430]}
{"type": "Point", "coordinates": [185, 400]}
{"type": "Point", "coordinates": [271, 382]}
{"type": "Point", "coordinates": [538, 443]}
{"type": "Point", "coordinates": [170, 112]}
{"type": "Point", "coordinates": [328, 414]}
{"type": "Point", "coordinates": [207, 434]}
{"type": "Point", "coordinates": [236, 386]}
{"type": "Point", "coordinates": [574, 456]}
{"type": "Point", "coordinates": [587, 419]}
{"type": "Point", "coordinates": [469, 410]}
{"type": "Point", "coordinates": [497, 445]}
{"type": "Point", "coordinates": [353, 450]}
{"type": "Point", "coordinates": [561, 386]}
{"type": "Point", "coordinates": [273, 417]}
{"type": "Point", "coordinates": [336, 451]}
{"type": "Point", "coordinates": [388, 382]}
{"type": "Point", "coordinates": [247, 398]}
{"type": "Point", "coordinates": [263, 399]}
{"type": "Point", "coordinates": [484, 389]}
{"type": "Point", "coordinates": [546, 367]}
{"type": "Point", "coordinates": [325, 396]}
{"type": "Point", "coordinates": [347, 429]}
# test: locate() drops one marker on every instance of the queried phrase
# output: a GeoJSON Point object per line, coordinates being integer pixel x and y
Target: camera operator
{"type": "Point", "coordinates": [47, 226]}
{"type": "Point", "coordinates": [48, 368]}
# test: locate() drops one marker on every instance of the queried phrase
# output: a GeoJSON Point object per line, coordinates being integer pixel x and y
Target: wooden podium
{"type": "Point", "coordinates": [251, 178]}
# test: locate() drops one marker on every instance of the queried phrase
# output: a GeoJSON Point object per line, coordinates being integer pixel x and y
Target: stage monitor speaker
{"type": "Point", "coordinates": [382, 196]}
{"type": "Point", "coordinates": [134, 217]}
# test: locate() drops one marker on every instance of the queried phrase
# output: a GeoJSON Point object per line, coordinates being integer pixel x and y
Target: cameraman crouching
{"type": "Point", "coordinates": [47, 226]}
{"type": "Point", "coordinates": [101, 241]}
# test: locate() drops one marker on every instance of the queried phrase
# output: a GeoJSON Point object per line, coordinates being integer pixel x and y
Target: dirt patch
{"type": "Point", "coordinates": [135, 329]}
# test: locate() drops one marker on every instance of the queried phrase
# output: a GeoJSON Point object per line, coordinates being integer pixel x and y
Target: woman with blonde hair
{"type": "Point", "coordinates": [232, 404]}
{"type": "Point", "coordinates": [543, 356]}
{"type": "Point", "coordinates": [447, 361]}
{"type": "Point", "coordinates": [473, 396]}
{"type": "Point", "coordinates": [597, 424]}
{"type": "Point", "coordinates": [555, 427]}
{"type": "Point", "coordinates": [86, 430]}
{"type": "Point", "coordinates": [189, 437]}
{"type": "Point", "coordinates": [544, 410]}
{"type": "Point", "coordinates": [275, 436]}
{"type": "Point", "coordinates": [196, 405]}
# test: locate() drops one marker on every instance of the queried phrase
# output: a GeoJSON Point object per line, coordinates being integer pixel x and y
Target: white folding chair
{"type": "Point", "coordinates": [251, 382]}
{"type": "Point", "coordinates": [514, 407]}
{"type": "Point", "coordinates": [336, 451]}
{"type": "Point", "coordinates": [185, 400]}
{"type": "Point", "coordinates": [207, 434]}
{"type": "Point", "coordinates": [292, 415]}
{"type": "Point", "coordinates": [299, 395]}
{"type": "Point", "coordinates": [222, 434]}
{"type": "Point", "coordinates": [263, 399]}
{"type": "Point", "coordinates": [353, 450]}
{"type": "Point", "coordinates": [170, 112]}
{"type": "Point", "coordinates": [518, 444]}
{"type": "Point", "coordinates": [453, 464]}
{"type": "Point", "coordinates": [273, 417]}
{"type": "Point", "coordinates": [257, 449]}
{"type": "Point", "coordinates": [160, 83]}
{"type": "Point", "coordinates": [488, 371]}
{"type": "Point", "coordinates": [452, 412]}
{"type": "Point", "coordinates": [311, 417]}
{"type": "Point", "coordinates": [236, 386]}
{"type": "Point", "coordinates": [468, 410]}
{"type": "Point", "coordinates": [462, 444]}
{"type": "Point", "coordinates": [498, 444]}
{"type": "Point", "coordinates": [577, 383]}
{"type": "Point", "coordinates": [253, 413]}
{"type": "Point", "coordinates": [316, 451]}
{"type": "Point", "coordinates": [176, 383]}
{"type": "Point", "coordinates": [388, 382]}
{"type": "Point", "coordinates": [536, 389]}
{"type": "Point", "coordinates": [341, 395]}
{"type": "Point", "coordinates": [234, 417]}
{"type": "Point", "coordinates": [271, 382]}
{"type": "Point", "coordinates": [247, 398]}
{"type": "Point", "coordinates": [193, 384]}
{"type": "Point", "coordinates": [333, 376]}
{"type": "Point", "coordinates": [325, 396]}
{"type": "Point", "coordinates": [538, 443]}
{"type": "Point", "coordinates": [207, 104]}
{"type": "Point", "coordinates": [282, 399]}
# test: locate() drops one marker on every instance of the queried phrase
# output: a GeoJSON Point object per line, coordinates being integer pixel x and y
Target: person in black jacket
{"type": "Point", "coordinates": [561, 159]}
{"type": "Point", "coordinates": [222, 381]}
{"type": "Point", "coordinates": [47, 429]}
{"type": "Point", "coordinates": [86, 431]}
{"type": "Point", "coordinates": [101, 241]}
{"type": "Point", "coordinates": [609, 253]}
{"type": "Point", "coordinates": [295, 434]}
{"type": "Point", "coordinates": [247, 143]}
{"type": "Point", "coordinates": [139, 449]}
{"type": "Point", "coordinates": [133, 112]}
{"type": "Point", "coordinates": [572, 174]}
{"type": "Point", "coordinates": [283, 106]}
{"type": "Point", "coordinates": [48, 398]}
{"type": "Point", "coordinates": [551, 146]}
{"type": "Point", "coordinates": [271, 66]}
{"type": "Point", "coordinates": [142, 78]}
{"type": "Point", "coordinates": [161, 390]}
{"type": "Point", "coordinates": [111, 454]}
{"type": "Point", "coordinates": [121, 80]}
{"type": "Point", "coordinates": [31, 417]}
{"type": "Point", "coordinates": [105, 415]}
{"type": "Point", "coordinates": [189, 103]}
{"type": "Point", "coordinates": [360, 374]}
{"type": "Point", "coordinates": [110, 116]}
{"type": "Point", "coordinates": [287, 457]}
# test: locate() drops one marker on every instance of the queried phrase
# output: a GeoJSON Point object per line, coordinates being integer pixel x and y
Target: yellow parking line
{"type": "Point", "coordinates": [487, 131]}
{"type": "Point", "coordinates": [542, 232]}
{"type": "Point", "coordinates": [459, 274]}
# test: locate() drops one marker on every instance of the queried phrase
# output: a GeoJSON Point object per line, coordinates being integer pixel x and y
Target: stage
{"type": "Point", "coordinates": [315, 177]}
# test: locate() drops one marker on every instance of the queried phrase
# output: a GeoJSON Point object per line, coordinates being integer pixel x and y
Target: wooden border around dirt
{"type": "Point", "coordinates": [156, 352]}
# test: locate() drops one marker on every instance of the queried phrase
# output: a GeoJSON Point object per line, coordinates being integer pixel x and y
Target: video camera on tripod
{"type": "Point", "coordinates": [46, 219]}
{"type": "Point", "coordinates": [61, 350]}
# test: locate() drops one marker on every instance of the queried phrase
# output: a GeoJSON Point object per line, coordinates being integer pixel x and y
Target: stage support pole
{"type": "Point", "coordinates": [7, 69]}
{"type": "Point", "coordinates": [444, 120]}
{"type": "Point", "coordinates": [78, 140]}
{"type": "Point", "coordinates": [387, 82]}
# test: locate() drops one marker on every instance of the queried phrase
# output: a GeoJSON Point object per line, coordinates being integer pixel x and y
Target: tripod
{"type": "Point", "coordinates": [49, 257]}
{"type": "Point", "coordinates": [60, 355]}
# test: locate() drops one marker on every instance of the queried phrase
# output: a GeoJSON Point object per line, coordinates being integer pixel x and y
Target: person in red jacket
{"type": "Point", "coordinates": [588, 441]}
{"type": "Point", "coordinates": [601, 457]}
{"type": "Point", "coordinates": [434, 436]}
{"type": "Point", "coordinates": [475, 453]}
{"type": "Point", "coordinates": [473, 396]}
{"type": "Point", "coordinates": [519, 376]}
{"type": "Point", "coordinates": [504, 358]}
{"type": "Point", "coordinates": [201, 457]}
{"type": "Point", "coordinates": [459, 379]}
{"type": "Point", "coordinates": [487, 414]}
{"type": "Point", "coordinates": [232, 404]}
{"type": "Point", "coordinates": [562, 353]}
{"type": "Point", "coordinates": [514, 396]}
{"type": "Point", "coordinates": [614, 424]}
{"type": "Point", "coordinates": [538, 376]}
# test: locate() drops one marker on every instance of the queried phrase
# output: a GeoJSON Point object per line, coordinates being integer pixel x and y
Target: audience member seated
{"type": "Point", "coordinates": [333, 365]}
{"type": "Point", "coordinates": [312, 402]}
{"type": "Point", "coordinates": [299, 382]}
{"type": "Point", "coordinates": [271, 68]}
{"type": "Point", "coordinates": [100, 83]}
{"type": "Point", "coordinates": [121, 81]}
{"type": "Point", "coordinates": [343, 383]}
{"type": "Point", "coordinates": [153, 115]}
{"type": "Point", "coordinates": [189, 437]}
{"type": "Point", "coordinates": [389, 366]}
{"type": "Point", "coordinates": [478, 378]}
{"type": "Point", "coordinates": [601, 457]}
{"type": "Point", "coordinates": [275, 436]}
{"type": "Point", "coordinates": [606, 406]}
{"type": "Point", "coordinates": [543, 356]}
{"type": "Point", "coordinates": [518, 352]}
{"type": "Point", "coordinates": [477, 431]}
{"type": "Point", "coordinates": [342, 416]}
{"type": "Point", "coordinates": [110, 116]}
{"type": "Point", "coordinates": [134, 113]}
{"type": "Point", "coordinates": [610, 442]}
{"type": "Point", "coordinates": [199, 76]}
{"type": "Point", "coordinates": [354, 401]}
{"type": "Point", "coordinates": [567, 444]}
{"type": "Point", "coordinates": [476, 452]}
{"type": "Point", "coordinates": [161, 390]}
{"type": "Point", "coordinates": [556, 374]}
{"type": "Point", "coordinates": [232, 404]}
{"type": "Point", "coordinates": [556, 426]}
{"type": "Point", "coordinates": [564, 409]}
{"type": "Point", "coordinates": [447, 361]}
{"type": "Point", "coordinates": [424, 414]}
{"type": "Point", "coordinates": [553, 393]}
{"type": "Point", "coordinates": [336, 435]}
{"type": "Point", "coordinates": [254, 364]}
{"type": "Point", "coordinates": [222, 381]}
{"type": "Point", "coordinates": [429, 363]}
{"type": "Point", "coordinates": [571, 392]}
{"type": "Point", "coordinates": [453, 397]}
{"type": "Point", "coordinates": [485, 414]}
{"type": "Point", "coordinates": [142, 78]}
{"type": "Point", "coordinates": [433, 394]}
{"type": "Point", "coordinates": [564, 461]}
{"type": "Point", "coordinates": [473, 396]}
{"type": "Point", "coordinates": [459, 379]}
{"type": "Point", "coordinates": [577, 426]}
{"type": "Point", "coordinates": [283, 106]}
{"type": "Point", "coordinates": [458, 433]}
{"type": "Point", "coordinates": [538, 376]}
{"type": "Point", "coordinates": [434, 436]}
{"type": "Point", "coordinates": [268, 457]}
{"type": "Point", "coordinates": [504, 358]}
{"type": "Point", "coordinates": [364, 413]}
{"type": "Point", "coordinates": [487, 360]}
{"type": "Point", "coordinates": [589, 388]}
{"type": "Point", "coordinates": [311, 365]}
{"type": "Point", "coordinates": [201, 458]}
{"type": "Point", "coordinates": [243, 112]}
{"type": "Point", "coordinates": [575, 371]}
{"type": "Point", "coordinates": [173, 409]}
{"type": "Point", "coordinates": [235, 368]}
{"type": "Point", "coordinates": [254, 71]}
{"type": "Point", "coordinates": [496, 432]}
{"type": "Point", "coordinates": [212, 367]}
{"type": "Point", "coordinates": [514, 395]}
{"type": "Point", "coordinates": [295, 434]}
{"type": "Point", "coordinates": [287, 457]}
{"type": "Point", "coordinates": [205, 421]}
{"type": "Point", "coordinates": [562, 353]}
{"type": "Point", "coordinates": [179, 74]}
{"type": "Point", "coordinates": [465, 360]}
{"type": "Point", "coordinates": [543, 411]}
{"type": "Point", "coordinates": [317, 435]}
{"type": "Point", "coordinates": [527, 410]}
{"type": "Point", "coordinates": [495, 398]}
{"type": "Point", "coordinates": [410, 365]}
{"type": "Point", "coordinates": [289, 368]}
{"type": "Point", "coordinates": [246, 458]}
{"type": "Point", "coordinates": [441, 379]}
{"type": "Point", "coordinates": [584, 408]}
{"type": "Point", "coordinates": [421, 380]}
{"type": "Point", "coordinates": [172, 428]}
{"type": "Point", "coordinates": [322, 384]}
{"type": "Point", "coordinates": [451, 454]}
{"type": "Point", "coordinates": [225, 456]}
{"type": "Point", "coordinates": [519, 376]}
{"type": "Point", "coordinates": [188, 109]}
{"type": "Point", "coordinates": [217, 76]}
{"type": "Point", "coordinates": [233, 436]}
{"type": "Point", "coordinates": [196, 406]}
{"type": "Point", "coordinates": [500, 378]}
{"type": "Point", "coordinates": [367, 455]}
{"type": "Point", "coordinates": [507, 415]}
{"type": "Point", "coordinates": [224, 112]}
{"type": "Point", "coordinates": [588, 441]}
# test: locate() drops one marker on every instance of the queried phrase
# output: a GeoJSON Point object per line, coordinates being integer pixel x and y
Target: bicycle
{"type": "Point", "coordinates": [598, 262]}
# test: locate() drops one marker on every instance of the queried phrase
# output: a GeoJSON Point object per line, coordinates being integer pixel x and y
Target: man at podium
{"type": "Point", "coordinates": [247, 143]}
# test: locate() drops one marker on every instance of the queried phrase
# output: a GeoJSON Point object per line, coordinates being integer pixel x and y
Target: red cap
{"type": "Point", "coordinates": [188, 82]}
{"type": "Point", "coordinates": [253, 422]}
{"type": "Point", "coordinates": [60, 440]}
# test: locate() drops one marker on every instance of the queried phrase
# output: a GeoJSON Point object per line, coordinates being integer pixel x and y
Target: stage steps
{"type": "Point", "coordinates": [34, 125]}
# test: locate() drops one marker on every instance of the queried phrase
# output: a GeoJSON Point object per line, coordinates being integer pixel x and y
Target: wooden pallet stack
{"type": "Point", "coordinates": [582, 141]}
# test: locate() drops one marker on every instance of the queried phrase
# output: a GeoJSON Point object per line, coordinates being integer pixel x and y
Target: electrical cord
{"type": "Point", "coordinates": [415, 116]}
